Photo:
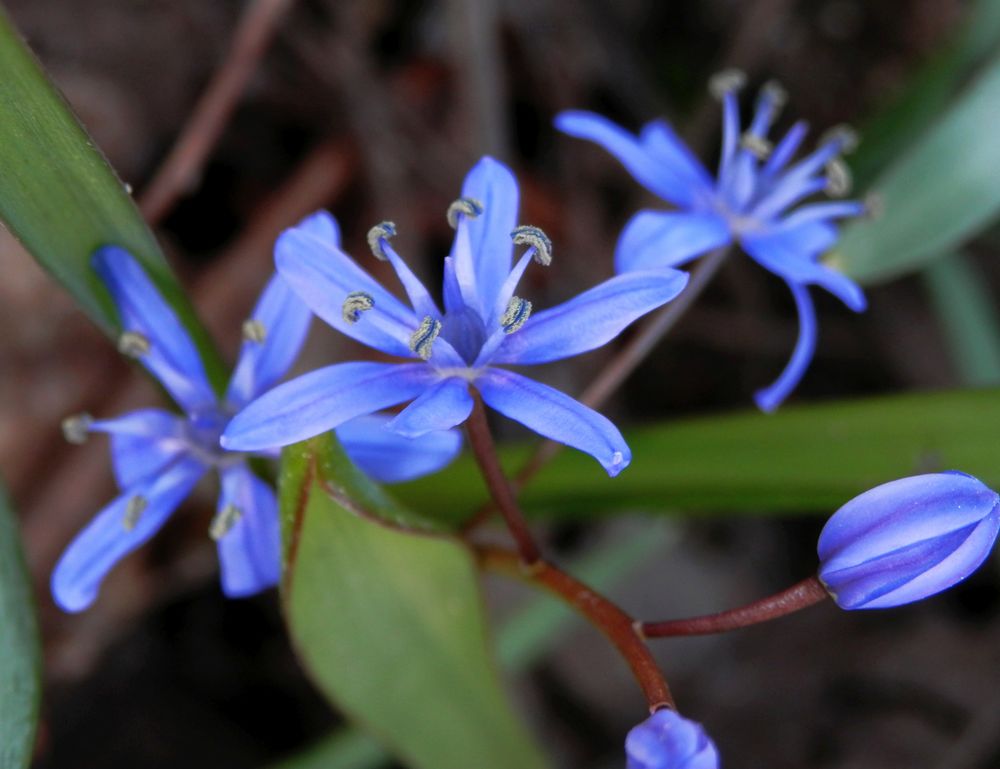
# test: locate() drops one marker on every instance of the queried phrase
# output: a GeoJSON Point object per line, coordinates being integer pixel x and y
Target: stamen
{"type": "Point", "coordinates": [845, 137]}
{"type": "Point", "coordinates": [76, 427]}
{"type": "Point", "coordinates": [133, 344]}
{"type": "Point", "coordinates": [376, 234]}
{"type": "Point", "coordinates": [757, 146]}
{"type": "Point", "coordinates": [469, 207]}
{"type": "Point", "coordinates": [515, 315]}
{"type": "Point", "coordinates": [422, 340]}
{"type": "Point", "coordinates": [529, 235]}
{"type": "Point", "coordinates": [774, 92]}
{"type": "Point", "coordinates": [223, 521]}
{"type": "Point", "coordinates": [133, 511]}
{"type": "Point", "coordinates": [726, 81]}
{"type": "Point", "coordinates": [356, 303]}
{"type": "Point", "coordinates": [874, 206]}
{"type": "Point", "coordinates": [254, 331]}
{"type": "Point", "coordinates": [838, 178]}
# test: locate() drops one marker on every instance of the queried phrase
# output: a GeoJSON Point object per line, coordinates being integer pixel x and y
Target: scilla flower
{"type": "Point", "coordinates": [751, 203]}
{"type": "Point", "coordinates": [667, 740]}
{"type": "Point", "coordinates": [907, 540]}
{"type": "Point", "coordinates": [158, 456]}
{"type": "Point", "coordinates": [483, 324]}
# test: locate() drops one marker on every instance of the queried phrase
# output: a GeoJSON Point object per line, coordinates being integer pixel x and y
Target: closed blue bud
{"type": "Point", "coordinates": [907, 540]}
{"type": "Point", "coordinates": [667, 740]}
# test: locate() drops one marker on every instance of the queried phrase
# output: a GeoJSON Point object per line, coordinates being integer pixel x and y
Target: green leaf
{"type": "Point", "coordinates": [20, 656]}
{"type": "Point", "coordinates": [805, 459]}
{"type": "Point", "coordinates": [941, 192]}
{"type": "Point", "coordinates": [61, 199]}
{"type": "Point", "coordinates": [390, 623]}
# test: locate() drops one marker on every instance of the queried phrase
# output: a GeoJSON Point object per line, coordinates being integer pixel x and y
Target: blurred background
{"type": "Point", "coordinates": [375, 110]}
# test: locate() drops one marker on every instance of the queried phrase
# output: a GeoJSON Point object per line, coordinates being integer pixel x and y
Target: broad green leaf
{"type": "Point", "coordinates": [390, 623]}
{"type": "Point", "coordinates": [20, 656]}
{"type": "Point", "coordinates": [939, 193]}
{"type": "Point", "coordinates": [61, 199]}
{"type": "Point", "coordinates": [803, 459]}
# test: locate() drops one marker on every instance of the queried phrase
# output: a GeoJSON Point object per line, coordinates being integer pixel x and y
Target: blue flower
{"type": "Point", "coordinates": [750, 203]}
{"type": "Point", "coordinates": [908, 539]}
{"type": "Point", "coordinates": [483, 324]}
{"type": "Point", "coordinates": [158, 457]}
{"type": "Point", "coordinates": [667, 740]}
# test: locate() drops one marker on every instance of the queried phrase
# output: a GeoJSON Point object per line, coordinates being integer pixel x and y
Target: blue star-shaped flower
{"type": "Point", "coordinates": [158, 456]}
{"type": "Point", "coordinates": [667, 740]}
{"type": "Point", "coordinates": [750, 203]}
{"type": "Point", "coordinates": [483, 324]}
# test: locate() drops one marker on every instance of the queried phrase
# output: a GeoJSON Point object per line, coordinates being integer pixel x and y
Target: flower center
{"type": "Point", "coordinates": [464, 330]}
{"type": "Point", "coordinates": [202, 432]}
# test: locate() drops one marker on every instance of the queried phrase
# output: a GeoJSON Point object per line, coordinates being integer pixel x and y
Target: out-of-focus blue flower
{"type": "Point", "coordinates": [907, 540]}
{"type": "Point", "coordinates": [158, 456]}
{"type": "Point", "coordinates": [667, 740]}
{"type": "Point", "coordinates": [483, 324]}
{"type": "Point", "coordinates": [751, 203]}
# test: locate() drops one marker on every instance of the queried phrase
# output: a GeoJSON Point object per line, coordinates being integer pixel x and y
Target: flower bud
{"type": "Point", "coordinates": [667, 740]}
{"type": "Point", "coordinates": [907, 540]}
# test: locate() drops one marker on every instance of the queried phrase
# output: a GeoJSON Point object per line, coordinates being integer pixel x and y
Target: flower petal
{"type": "Point", "coordinates": [321, 400]}
{"type": "Point", "coordinates": [592, 318]}
{"type": "Point", "coordinates": [769, 398]}
{"type": "Point", "coordinates": [323, 275]}
{"type": "Point", "coordinates": [667, 239]}
{"type": "Point", "coordinates": [105, 541]}
{"type": "Point", "coordinates": [441, 407]}
{"type": "Point", "coordinates": [285, 320]}
{"type": "Point", "coordinates": [388, 457]}
{"type": "Point", "coordinates": [555, 415]}
{"type": "Point", "coordinates": [143, 442]}
{"type": "Point", "coordinates": [172, 358]}
{"type": "Point", "coordinates": [250, 551]}
{"type": "Point", "coordinates": [693, 183]}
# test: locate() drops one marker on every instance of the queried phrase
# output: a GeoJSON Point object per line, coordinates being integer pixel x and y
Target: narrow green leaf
{"type": "Point", "coordinates": [390, 623]}
{"type": "Point", "coordinates": [61, 199]}
{"type": "Point", "coordinates": [937, 195]}
{"type": "Point", "coordinates": [20, 656]}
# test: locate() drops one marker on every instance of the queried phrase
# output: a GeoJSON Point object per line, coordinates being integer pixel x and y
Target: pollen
{"type": "Point", "coordinates": [223, 521]}
{"type": "Point", "coordinates": [529, 235]}
{"type": "Point", "coordinates": [133, 344]}
{"type": "Point", "coordinates": [469, 207]}
{"type": "Point", "coordinates": [254, 331]}
{"type": "Point", "coordinates": [838, 178]}
{"type": "Point", "coordinates": [515, 315]}
{"type": "Point", "coordinates": [774, 92]}
{"type": "Point", "coordinates": [76, 427]}
{"type": "Point", "coordinates": [133, 511]}
{"type": "Point", "coordinates": [874, 206]}
{"type": "Point", "coordinates": [757, 146]}
{"type": "Point", "coordinates": [378, 233]}
{"type": "Point", "coordinates": [845, 137]}
{"type": "Point", "coordinates": [356, 303]}
{"type": "Point", "coordinates": [422, 341]}
{"type": "Point", "coordinates": [726, 81]}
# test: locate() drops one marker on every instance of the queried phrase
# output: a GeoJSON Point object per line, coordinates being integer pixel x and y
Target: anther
{"type": "Point", "coordinates": [76, 427]}
{"type": "Point", "coordinates": [838, 178]}
{"type": "Point", "coordinates": [469, 207]}
{"type": "Point", "coordinates": [529, 235]}
{"type": "Point", "coordinates": [757, 146]}
{"type": "Point", "coordinates": [874, 206]}
{"type": "Point", "coordinates": [254, 331]}
{"type": "Point", "coordinates": [422, 340]}
{"type": "Point", "coordinates": [134, 509]}
{"type": "Point", "coordinates": [133, 344]}
{"type": "Point", "coordinates": [774, 92]}
{"type": "Point", "coordinates": [381, 230]}
{"type": "Point", "coordinates": [356, 303]}
{"type": "Point", "coordinates": [515, 315]}
{"type": "Point", "coordinates": [223, 521]}
{"type": "Point", "coordinates": [845, 137]}
{"type": "Point", "coordinates": [726, 81]}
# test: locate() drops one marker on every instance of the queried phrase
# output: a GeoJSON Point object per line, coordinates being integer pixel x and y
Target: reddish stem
{"type": "Point", "coordinates": [800, 596]}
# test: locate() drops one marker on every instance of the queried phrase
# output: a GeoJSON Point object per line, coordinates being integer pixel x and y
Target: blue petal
{"type": "Point", "coordinates": [692, 184]}
{"type": "Point", "coordinates": [591, 319]}
{"type": "Point", "coordinates": [105, 541]}
{"type": "Point", "coordinates": [647, 167]}
{"type": "Point", "coordinates": [441, 407]}
{"type": "Point", "coordinates": [321, 400]}
{"type": "Point", "coordinates": [323, 275]}
{"type": "Point", "coordinates": [555, 415]}
{"type": "Point", "coordinates": [388, 457]}
{"type": "Point", "coordinates": [172, 358]}
{"type": "Point", "coordinates": [769, 398]}
{"type": "Point", "coordinates": [285, 320]}
{"type": "Point", "coordinates": [143, 442]}
{"type": "Point", "coordinates": [667, 740]}
{"type": "Point", "coordinates": [322, 225]}
{"type": "Point", "coordinates": [785, 150]}
{"type": "Point", "coordinates": [666, 239]}
{"type": "Point", "coordinates": [487, 251]}
{"type": "Point", "coordinates": [820, 212]}
{"type": "Point", "coordinates": [250, 552]}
